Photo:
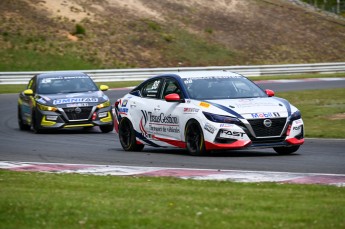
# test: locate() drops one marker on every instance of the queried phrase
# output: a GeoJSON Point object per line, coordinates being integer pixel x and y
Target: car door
{"type": "Point", "coordinates": [27, 102]}
{"type": "Point", "coordinates": [169, 114]}
{"type": "Point", "coordinates": [141, 109]}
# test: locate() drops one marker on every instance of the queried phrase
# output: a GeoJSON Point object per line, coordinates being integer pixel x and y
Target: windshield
{"type": "Point", "coordinates": [223, 87]}
{"type": "Point", "coordinates": [65, 84]}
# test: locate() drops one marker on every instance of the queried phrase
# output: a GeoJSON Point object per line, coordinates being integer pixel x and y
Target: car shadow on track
{"type": "Point", "coordinates": [223, 153]}
{"type": "Point", "coordinates": [92, 130]}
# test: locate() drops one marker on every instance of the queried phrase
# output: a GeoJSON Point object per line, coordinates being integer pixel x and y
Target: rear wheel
{"type": "Point", "coordinates": [286, 150]}
{"type": "Point", "coordinates": [127, 136]}
{"type": "Point", "coordinates": [21, 124]}
{"type": "Point", "coordinates": [195, 139]}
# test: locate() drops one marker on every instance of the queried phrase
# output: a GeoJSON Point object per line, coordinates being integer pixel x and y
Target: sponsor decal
{"type": "Point", "coordinates": [77, 105]}
{"type": "Point", "coordinates": [161, 119]}
{"type": "Point", "coordinates": [190, 110]}
{"type": "Point", "coordinates": [41, 100]}
{"type": "Point", "coordinates": [159, 123]}
{"type": "Point", "coordinates": [123, 110]}
{"type": "Point", "coordinates": [226, 125]}
{"type": "Point", "coordinates": [74, 100]}
{"type": "Point", "coordinates": [245, 103]}
{"type": "Point", "coordinates": [203, 104]}
{"type": "Point", "coordinates": [230, 134]}
{"type": "Point", "coordinates": [164, 129]}
{"type": "Point", "coordinates": [124, 103]}
{"type": "Point", "coordinates": [297, 127]}
{"type": "Point", "coordinates": [209, 128]}
{"type": "Point", "coordinates": [263, 115]}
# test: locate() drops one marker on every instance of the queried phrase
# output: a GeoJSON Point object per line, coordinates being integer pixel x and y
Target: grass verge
{"type": "Point", "coordinates": [323, 111]}
{"type": "Point", "coordinates": [42, 200]}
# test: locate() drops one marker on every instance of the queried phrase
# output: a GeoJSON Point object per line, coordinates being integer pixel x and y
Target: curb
{"type": "Point", "coordinates": [196, 174]}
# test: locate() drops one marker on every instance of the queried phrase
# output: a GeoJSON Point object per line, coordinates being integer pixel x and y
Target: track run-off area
{"type": "Point", "coordinates": [319, 161]}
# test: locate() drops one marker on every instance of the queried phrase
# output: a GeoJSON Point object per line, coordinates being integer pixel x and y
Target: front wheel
{"type": "Point", "coordinates": [106, 129]}
{"type": "Point", "coordinates": [22, 125]}
{"type": "Point", "coordinates": [35, 124]}
{"type": "Point", "coordinates": [286, 150]}
{"type": "Point", "coordinates": [127, 136]}
{"type": "Point", "coordinates": [195, 141]}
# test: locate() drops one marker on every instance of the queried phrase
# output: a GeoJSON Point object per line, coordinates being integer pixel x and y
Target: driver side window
{"type": "Point", "coordinates": [151, 89]}
{"type": "Point", "coordinates": [171, 86]}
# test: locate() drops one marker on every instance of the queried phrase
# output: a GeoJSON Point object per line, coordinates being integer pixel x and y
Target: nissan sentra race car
{"type": "Point", "coordinates": [205, 111]}
{"type": "Point", "coordinates": [64, 100]}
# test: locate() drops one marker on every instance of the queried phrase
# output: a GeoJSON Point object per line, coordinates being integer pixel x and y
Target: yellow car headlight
{"type": "Point", "coordinates": [102, 105]}
{"type": "Point", "coordinates": [46, 108]}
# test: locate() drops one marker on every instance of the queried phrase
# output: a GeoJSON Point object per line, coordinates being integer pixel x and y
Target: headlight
{"type": "Point", "coordinates": [102, 105]}
{"type": "Point", "coordinates": [46, 108]}
{"type": "Point", "coordinates": [221, 118]}
{"type": "Point", "coordinates": [295, 116]}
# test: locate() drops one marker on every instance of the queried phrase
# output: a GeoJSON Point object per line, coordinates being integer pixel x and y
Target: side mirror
{"type": "Point", "coordinates": [269, 92]}
{"type": "Point", "coordinates": [103, 87]}
{"type": "Point", "coordinates": [28, 92]}
{"type": "Point", "coordinates": [173, 98]}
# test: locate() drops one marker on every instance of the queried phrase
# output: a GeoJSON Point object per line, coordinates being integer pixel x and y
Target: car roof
{"type": "Point", "coordinates": [60, 74]}
{"type": "Point", "coordinates": [198, 74]}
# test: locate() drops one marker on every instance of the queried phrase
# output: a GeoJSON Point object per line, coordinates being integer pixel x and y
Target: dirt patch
{"type": "Point", "coordinates": [340, 116]}
{"type": "Point", "coordinates": [63, 8]}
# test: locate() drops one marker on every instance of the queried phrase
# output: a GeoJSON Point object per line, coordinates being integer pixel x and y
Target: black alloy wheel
{"type": "Point", "coordinates": [195, 139]}
{"type": "Point", "coordinates": [127, 136]}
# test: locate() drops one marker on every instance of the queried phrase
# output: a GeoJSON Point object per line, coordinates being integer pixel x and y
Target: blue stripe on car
{"type": "Point", "coordinates": [141, 137]}
{"type": "Point", "coordinates": [286, 104]}
{"type": "Point", "coordinates": [224, 108]}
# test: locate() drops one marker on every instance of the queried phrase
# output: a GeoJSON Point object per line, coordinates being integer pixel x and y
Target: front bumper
{"type": "Point", "coordinates": [60, 119]}
{"type": "Point", "coordinates": [231, 136]}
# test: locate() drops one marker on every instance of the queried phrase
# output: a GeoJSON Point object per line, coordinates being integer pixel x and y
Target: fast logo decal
{"type": "Point", "coordinates": [266, 115]}
{"type": "Point", "coordinates": [231, 134]}
{"type": "Point", "coordinates": [74, 100]}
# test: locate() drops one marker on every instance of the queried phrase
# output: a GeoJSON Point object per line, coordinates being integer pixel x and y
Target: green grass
{"type": "Point", "coordinates": [42, 200]}
{"type": "Point", "coordinates": [323, 111]}
{"type": "Point", "coordinates": [27, 60]}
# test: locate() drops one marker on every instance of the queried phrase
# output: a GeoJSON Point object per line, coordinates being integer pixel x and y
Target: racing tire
{"type": "Point", "coordinates": [194, 137]}
{"type": "Point", "coordinates": [127, 136]}
{"type": "Point", "coordinates": [286, 150]}
{"type": "Point", "coordinates": [35, 125]}
{"type": "Point", "coordinates": [21, 124]}
{"type": "Point", "coordinates": [107, 128]}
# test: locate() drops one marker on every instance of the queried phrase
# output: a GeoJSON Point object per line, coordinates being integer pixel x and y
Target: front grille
{"type": "Point", "coordinates": [73, 115]}
{"type": "Point", "coordinates": [261, 130]}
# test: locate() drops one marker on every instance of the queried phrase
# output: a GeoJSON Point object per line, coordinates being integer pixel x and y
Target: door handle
{"type": "Point", "coordinates": [157, 108]}
{"type": "Point", "coordinates": [133, 104]}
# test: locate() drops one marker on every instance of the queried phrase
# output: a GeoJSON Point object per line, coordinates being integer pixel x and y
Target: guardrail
{"type": "Point", "coordinates": [140, 74]}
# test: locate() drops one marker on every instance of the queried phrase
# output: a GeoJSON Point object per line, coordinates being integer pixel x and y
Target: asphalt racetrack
{"type": "Point", "coordinates": [93, 147]}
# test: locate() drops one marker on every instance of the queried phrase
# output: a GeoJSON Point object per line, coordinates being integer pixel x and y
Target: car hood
{"type": "Point", "coordinates": [249, 108]}
{"type": "Point", "coordinates": [72, 99]}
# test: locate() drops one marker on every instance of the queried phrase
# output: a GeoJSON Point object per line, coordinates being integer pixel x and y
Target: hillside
{"type": "Point", "coordinates": [42, 34]}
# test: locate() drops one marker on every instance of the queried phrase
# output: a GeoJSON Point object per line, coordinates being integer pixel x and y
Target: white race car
{"type": "Point", "coordinates": [205, 111]}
